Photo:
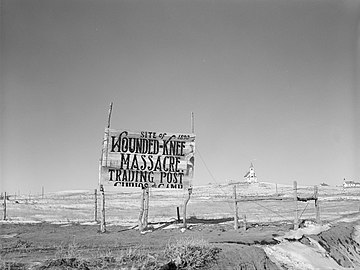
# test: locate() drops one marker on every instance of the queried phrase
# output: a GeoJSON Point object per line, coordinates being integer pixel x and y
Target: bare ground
{"type": "Point", "coordinates": [31, 246]}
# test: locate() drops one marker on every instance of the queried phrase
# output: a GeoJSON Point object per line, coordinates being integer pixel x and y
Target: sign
{"type": "Point", "coordinates": [147, 158]}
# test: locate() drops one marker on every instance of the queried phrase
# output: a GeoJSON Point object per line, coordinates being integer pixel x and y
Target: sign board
{"type": "Point", "coordinates": [147, 158]}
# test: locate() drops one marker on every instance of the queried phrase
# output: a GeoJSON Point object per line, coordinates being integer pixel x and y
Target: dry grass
{"type": "Point", "coordinates": [182, 254]}
{"type": "Point", "coordinates": [191, 253]}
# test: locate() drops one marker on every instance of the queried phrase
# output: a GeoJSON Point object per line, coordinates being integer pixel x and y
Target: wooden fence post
{"type": "Point", "coordinates": [296, 220]}
{"type": "Point", "coordinates": [141, 214]}
{"type": "Point", "coordinates": [178, 213]}
{"type": "Point", "coordinates": [185, 204]}
{"type": "Point", "coordinates": [317, 205]}
{"type": "Point", "coordinates": [102, 223]}
{"type": "Point", "coordinates": [146, 207]}
{"type": "Point", "coordinates": [95, 212]}
{"type": "Point", "coordinates": [235, 209]}
{"type": "Point", "coordinates": [245, 223]}
{"type": "Point", "coordinates": [5, 206]}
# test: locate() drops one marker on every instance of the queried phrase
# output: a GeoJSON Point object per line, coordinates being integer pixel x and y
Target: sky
{"type": "Point", "coordinates": [270, 82]}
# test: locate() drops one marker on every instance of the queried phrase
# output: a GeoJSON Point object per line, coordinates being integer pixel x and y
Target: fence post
{"type": "Point", "coordinates": [317, 205]}
{"type": "Point", "coordinates": [146, 207]}
{"type": "Point", "coordinates": [245, 223]}
{"type": "Point", "coordinates": [185, 204]}
{"type": "Point", "coordinates": [178, 213]}
{"type": "Point", "coordinates": [235, 209]}
{"type": "Point", "coordinates": [296, 220]}
{"type": "Point", "coordinates": [5, 206]}
{"type": "Point", "coordinates": [95, 212]}
{"type": "Point", "coordinates": [102, 223]}
{"type": "Point", "coordinates": [141, 214]}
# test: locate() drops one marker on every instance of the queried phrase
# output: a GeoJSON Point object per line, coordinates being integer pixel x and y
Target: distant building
{"type": "Point", "coordinates": [350, 184]}
{"type": "Point", "coordinates": [324, 184]}
{"type": "Point", "coordinates": [250, 176]}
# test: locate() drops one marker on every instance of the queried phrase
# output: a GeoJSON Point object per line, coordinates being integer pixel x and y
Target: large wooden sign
{"type": "Point", "coordinates": [147, 158]}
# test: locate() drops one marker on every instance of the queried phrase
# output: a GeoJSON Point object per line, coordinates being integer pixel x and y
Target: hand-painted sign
{"type": "Point", "coordinates": [141, 159]}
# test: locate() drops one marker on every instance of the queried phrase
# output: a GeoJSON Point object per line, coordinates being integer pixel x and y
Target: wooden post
{"type": "Point", "coordinates": [95, 211]}
{"type": "Point", "coordinates": [235, 209]}
{"type": "Point", "coordinates": [245, 223]}
{"type": "Point", "coordinates": [5, 206]}
{"type": "Point", "coordinates": [141, 214]}
{"type": "Point", "coordinates": [317, 206]}
{"type": "Point", "coordinates": [146, 207]}
{"type": "Point", "coordinates": [185, 204]}
{"type": "Point", "coordinates": [277, 194]}
{"type": "Point", "coordinates": [102, 223]}
{"type": "Point", "coordinates": [190, 188]}
{"type": "Point", "coordinates": [192, 122]}
{"type": "Point", "coordinates": [178, 213]}
{"type": "Point", "coordinates": [109, 115]}
{"type": "Point", "coordinates": [296, 220]}
{"type": "Point", "coordinates": [102, 191]}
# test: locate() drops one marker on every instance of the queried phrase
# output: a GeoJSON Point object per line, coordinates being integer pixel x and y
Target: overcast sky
{"type": "Point", "coordinates": [274, 83]}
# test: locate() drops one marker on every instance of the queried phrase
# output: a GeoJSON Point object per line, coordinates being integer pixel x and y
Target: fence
{"type": "Point", "coordinates": [295, 199]}
{"type": "Point", "coordinates": [207, 202]}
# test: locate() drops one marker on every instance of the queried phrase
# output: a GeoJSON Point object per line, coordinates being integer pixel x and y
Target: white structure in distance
{"type": "Point", "coordinates": [250, 176]}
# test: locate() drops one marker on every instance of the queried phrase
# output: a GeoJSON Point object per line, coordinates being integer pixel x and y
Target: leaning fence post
{"type": "Point", "coordinates": [296, 221]}
{"type": "Point", "coordinates": [235, 209]}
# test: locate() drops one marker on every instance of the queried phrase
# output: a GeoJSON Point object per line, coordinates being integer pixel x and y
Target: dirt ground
{"type": "Point", "coordinates": [33, 244]}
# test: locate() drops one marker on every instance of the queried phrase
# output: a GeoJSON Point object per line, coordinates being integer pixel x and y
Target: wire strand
{"type": "Point", "coordinates": [212, 176]}
{"type": "Point", "coordinates": [269, 209]}
{"type": "Point", "coordinates": [304, 210]}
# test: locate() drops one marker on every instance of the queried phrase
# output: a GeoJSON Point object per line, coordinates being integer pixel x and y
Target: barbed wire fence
{"type": "Point", "coordinates": [208, 202]}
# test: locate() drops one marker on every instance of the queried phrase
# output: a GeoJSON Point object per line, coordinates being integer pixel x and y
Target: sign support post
{"type": "Point", "coordinates": [102, 223]}
{"type": "Point", "coordinates": [102, 190]}
{"type": "Point", "coordinates": [190, 188]}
